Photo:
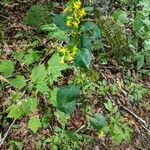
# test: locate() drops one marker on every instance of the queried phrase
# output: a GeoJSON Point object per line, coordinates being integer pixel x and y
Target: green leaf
{"type": "Point", "coordinates": [29, 105]}
{"type": "Point", "coordinates": [42, 87]}
{"type": "Point", "coordinates": [98, 121]}
{"type": "Point", "coordinates": [83, 59]}
{"type": "Point", "coordinates": [30, 58]}
{"type": "Point", "coordinates": [53, 96]}
{"type": "Point", "coordinates": [39, 74]}
{"type": "Point", "coordinates": [7, 67]}
{"type": "Point", "coordinates": [55, 33]}
{"type": "Point", "coordinates": [66, 98]}
{"type": "Point", "coordinates": [92, 29]}
{"type": "Point", "coordinates": [138, 21]}
{"type": "Point", "coordinates": [14, 112]}
{"type": "Point", "coordinates": [140, 61]}
{"type": "Point", "coordinates": [55, 67]}
{"type": "Point", "coordinates": [18, 82]}
{"type": "Point", "coordinates": [147, 44]}
{"type": "Point", "coordinates": [37, 15]}
{"type": "Point", "coordinates": [120, 16]}
{"type": "Point", "coordinates": [60, 21]}
{"type": "Point", "coordinates": [34, 124]}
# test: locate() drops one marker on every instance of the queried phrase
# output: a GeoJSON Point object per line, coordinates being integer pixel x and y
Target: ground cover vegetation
{"type": "Point", "coordinates": [74, 75]}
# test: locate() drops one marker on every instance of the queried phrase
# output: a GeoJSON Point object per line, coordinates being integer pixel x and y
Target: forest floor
{"type": "Point", "coordinates": [137, 114]}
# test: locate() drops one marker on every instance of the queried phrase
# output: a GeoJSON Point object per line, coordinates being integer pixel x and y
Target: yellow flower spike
{"type": "Point", "coordinates": [82, 12]}
{"type": "Point", "coordinates": [77, 4]}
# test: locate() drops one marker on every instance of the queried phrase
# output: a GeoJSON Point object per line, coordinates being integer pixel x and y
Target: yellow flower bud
{"type": "Point", "coordinates": [82, 12]}
{"type": "Point", "coordinates": [62, 61]}
{"type": "Point", "coordinates": [76, 24]}
{"type": "Point", "coordinates": [63, 50]}
{"type": "Point", "coordinates": [77, 4]}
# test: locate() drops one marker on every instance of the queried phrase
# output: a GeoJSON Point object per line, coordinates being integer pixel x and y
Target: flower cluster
{"type": "Point", "coordinates": [75, 13]}
{"type": "Point", "coordinates": [68, 53]}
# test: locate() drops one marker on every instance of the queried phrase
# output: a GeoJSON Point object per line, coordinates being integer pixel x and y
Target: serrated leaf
{"type": "Point", "coordinates": [29, 105]}
{"type": "Point", "coordinates": [39, 74]}
{"type": "Point", "coordinates": [31, 57]}
{"type": "Point", "coordinates": [42, 87]}
{"type": "Point", "coordinates": [66, 98]}
{"type": "Point", "coordinates": [34, 124]}
{"type": "Point", "coordinates": [83, 59]}
{"type": "Point", "coordinates": [55, 33]}
{"type": "Point", "coordinates": [7, 67]}
{"type": "Point", "coordinates": [18, 82]}
{"type": "Point", "coordinates": [98, 121]}
{"type": "Point", "coordinates": [55, 67]}
{"type": "Point", "coordinates": [14, 112]}
{"type": "Point", "coordinates": [53, 96]}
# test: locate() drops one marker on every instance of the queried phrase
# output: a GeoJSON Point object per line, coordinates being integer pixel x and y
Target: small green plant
{"type": "Point", "coordinates": [137, 91]}
{"type": "Point", "coordinates": [112, 124]}
{"type": "Point", "coordinates": [37, 16]}
{"type": "Point", "coordinates": [105, 88]}
{"type": "Point", "coordinates": [13, 145]}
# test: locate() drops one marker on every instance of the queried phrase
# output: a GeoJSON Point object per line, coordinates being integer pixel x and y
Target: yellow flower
{"type": "Point", "coordinates": [68, 9]}
{"type": "Point", "coordinates": [69, 21]}
{"type": "Point", "coordinates": [62, 60]}
{"type": "Point", "coordinates": [63, 50]}
{"type": "Point", "coordinates": [75, 48]}
{"type": "Point", "coordinates": [76, 24]}
{"type": "Point", "coordinates": [82, 12]}
{"type": "Point", "coordinates": [77, 4]}
{"type": "Point", "coordinates": [69, 57]}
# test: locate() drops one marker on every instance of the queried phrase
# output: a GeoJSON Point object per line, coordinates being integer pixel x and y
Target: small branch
{"type": "Point", "coordinates": [6, 134]}
{"type": "Point", "coordinates": [80, 129]}
{"type": "Point", "coordinates": [145, 126]}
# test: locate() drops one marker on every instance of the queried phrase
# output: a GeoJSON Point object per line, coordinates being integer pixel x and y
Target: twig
{"type": "Point", "coordinates": [138, 118]}
{"type": "Point", "coordinates": [6, 134]}
{"type": "Point", "coordinates": [80, 128]}
{"type": "Point", "coordinates": [4, 17]}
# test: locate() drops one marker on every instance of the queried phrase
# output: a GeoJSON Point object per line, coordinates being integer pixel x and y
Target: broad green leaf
{"type": "Point", "coordinates": [66, 98]}
{"type": "Point", "coordinates": [39, 74]}
{"type": "Point", "coordinates": [55, 67]}
{"type": "Point", "coordinates": [98, 121]}
{"type": "Point", "coordinates": [34, 124]}
{"type": "Point", "coordinates": [14, 112]}
{"type": "Point", "coordinates": [29, 105]}
{"type": "Point", "coordinates": [83, 59]}
{"type": "Point", "coordinates": [92, 29]}
{"type": "Point", "coordinates": [7, 67]}
{"type": "Point", "coordinates": [18, 82]}
{"type": "Point", "coordinates": [60, 21]}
